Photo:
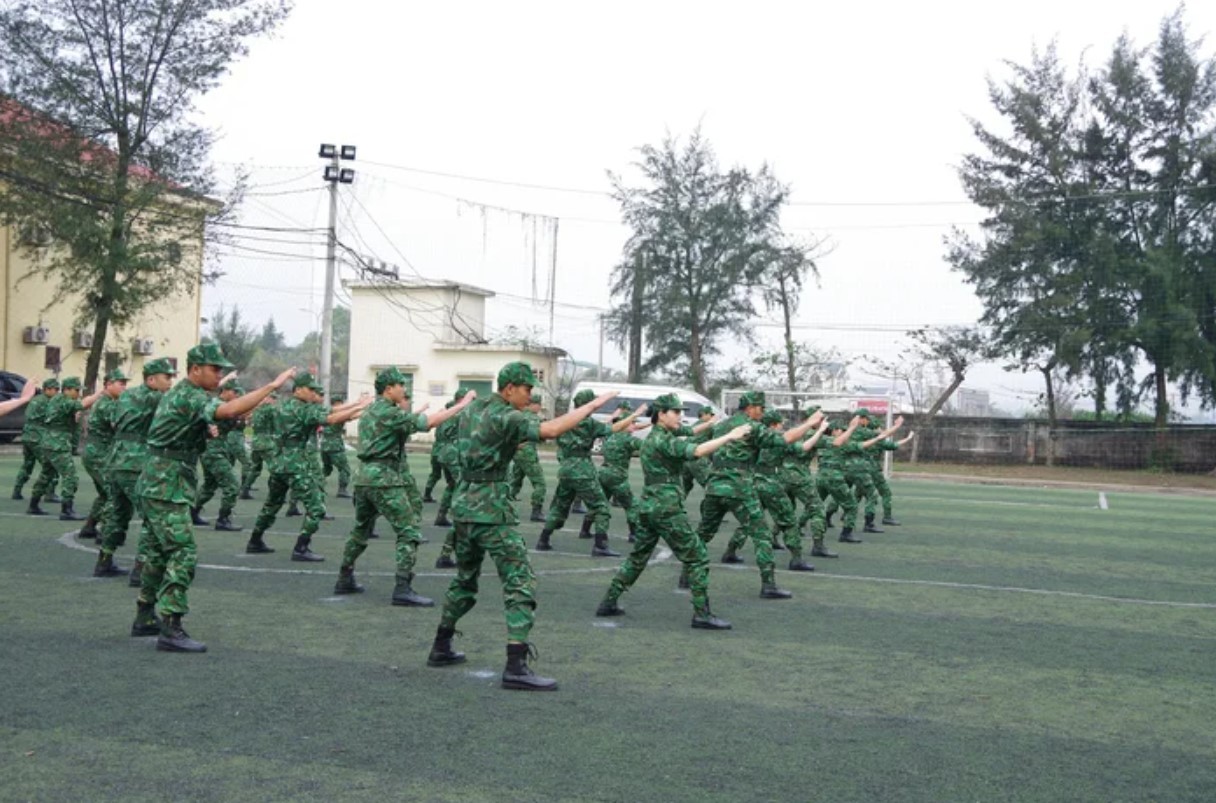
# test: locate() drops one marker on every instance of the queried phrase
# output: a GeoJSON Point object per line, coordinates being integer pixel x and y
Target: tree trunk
{"type": "Point", "coordinates": [786, 314]}
{"type": "Point", "coordinates": [945, 397]}
{"type": "Point", "coordinates": [101, 327]}
{"type": "Point", "coordinates": [116, 258]}
{"type": "Point", "coordinates": [635, 319]}
{"type": "Point", "coordinates": [1051, 416]}
{"type": "Point", "coordinates": [1163, 404]}
{"type": "Point", "coordinates": [696, 369]}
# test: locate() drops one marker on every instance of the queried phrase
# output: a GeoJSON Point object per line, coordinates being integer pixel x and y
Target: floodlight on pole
{"type": "Point", "coordinates": [328, 152]}
{"type": "Point", "coordinates": [348, 153]}
{"type": "Point", "coordinates": [335, 174]}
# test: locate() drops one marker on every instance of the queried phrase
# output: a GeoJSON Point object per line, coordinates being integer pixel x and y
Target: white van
{"type": "Point", "coordinates": [638, 395]}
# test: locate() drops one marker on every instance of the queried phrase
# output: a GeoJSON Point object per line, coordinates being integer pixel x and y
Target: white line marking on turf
{"type": "Point", "coordinates": [954, 501]}
{"type": "Point", "coordinates": [1102, 501]}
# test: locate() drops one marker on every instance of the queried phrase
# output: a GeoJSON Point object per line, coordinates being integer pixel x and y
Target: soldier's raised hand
{"type": "Point", "coordinates": [640, 411]}
{"type": "Point", "coordinates": [740, 432]}
{"type": "Point", "coordinates": [27, 392]}
{"type": "Point", "coordinates": [281, 379]}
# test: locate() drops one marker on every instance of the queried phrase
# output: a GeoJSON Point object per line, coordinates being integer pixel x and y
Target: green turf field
{"type": "Point", "coordinates": [1005, 644]}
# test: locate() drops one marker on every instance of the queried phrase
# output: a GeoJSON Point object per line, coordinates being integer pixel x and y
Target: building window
{"type": "Point", "coordinates": [484, 387]}
{"type": "Point", "coordinates": [112, 361]}
{"type": "Point", "coordinates": [51, 361]}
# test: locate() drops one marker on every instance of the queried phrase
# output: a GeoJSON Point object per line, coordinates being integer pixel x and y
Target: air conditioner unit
{"type": "Point", "coordinates": [36, 334]}
{"type": "Point", "coordinates": [142, 345]}
{"type": "Point", "coordinates": [83, 340]}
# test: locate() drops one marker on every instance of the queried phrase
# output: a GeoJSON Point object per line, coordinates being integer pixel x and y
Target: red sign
{"type": "Point", "coordinates": [876, 406]}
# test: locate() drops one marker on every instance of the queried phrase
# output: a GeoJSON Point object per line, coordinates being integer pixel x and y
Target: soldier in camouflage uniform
{"type": "Point", "coordinates": [238, 451]}
{"type": "Point", "coordinates": [59, 436]}
{"type": "Point", "coordinates": [31, 434]}
{"type": "Point", "coordinates": [490, 432]}
{"type": "Point", "coordinates": [697, 471]}
{"type": "Point", "coordinates": [854, 467]}
{"type": "Point", "coordinates": [664, 457]}
{"type": "Point", "coordinates": [264, 444]}
{"type": "Point", "coordinates": [380, 488]}
{"type": "Point", "coordinates": [577, 478]}
{"type": "Point", "coordinates": [770, 490]}
{"type": "Point", "coordinates": [799, 486]}
{"type": "Point", "coordinates": [296, 467]}
{"type": "Point", "coordinates": [218, 469]}
{"type": "Point", "coordinates": [433, 478]}
{"type": "Point", "coordinates": [527, 464]}
{"type": "Point", "coordinates": [97, 450]}
{"type": "Point", "coordinates": [879, 479]}
{"type": "Point", "coordinates": [167, 487]}
{"type": "Point", "coordinates": [133, 413]}
{"type": "Point", "coordinates": [618, 451]}
{"type": "Point", "coordinates": [731, 487]}
{"type": "Point", "coordinates": [333, 453]}
{"type": "Point", "coordinates": [446, 451]}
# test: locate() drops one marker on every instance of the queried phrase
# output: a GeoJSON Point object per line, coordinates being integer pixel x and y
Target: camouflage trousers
{"type": "Point", "coordinates": [218, 473]}
{"type": "Point", "coordinates": [257, 462]}
{"type": "Point", "coordinates": [616, 489]}
{"type": "Point", "coordinates": [839, 496]}
{"type": "Point", "coordinates": [166, 544]}
{"type": "Point", "coordinates": [392, 503]}
{"type": "Point", "coordinates": [30, 457]}
{"type": "Point", "coordinates": [510, 556]}
{"type": "Point", "coordinates": [331, 461]}
{"type": "Point", "coordinates": [675, 529]}
{"type": "Point", "coordinates": [116, 518]}
{"type": "Point", "coordinates": [773, 499]}
{"type": "Point", "coordinates": [57, 464]}
{"type": "Point", "coordinates": [303, 486]}
{"type": "Point", "coordinates": [578, 482]}
{"type": "Point", "coordinates": [801, 488]}
{"type": "Point", "coordinates": [882, 490]}
{"type": "Point", "coordinates": [527, 464]}
{"type": "Point", "coordinates": [239, 456]}
{"type": "Point", "coordinates": [95, 465]}
{"type": "Point", "coordinates": [695, 472]}
{"type": "Point", "coordinates": [436, 473]}
{"type": "Point", "coordinates": [451, 477]}
{"type": "Point", "coordinates": [747, 511]}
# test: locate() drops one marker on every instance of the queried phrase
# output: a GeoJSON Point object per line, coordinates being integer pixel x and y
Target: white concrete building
{"type": "Point", "coordinates": [434, 332]}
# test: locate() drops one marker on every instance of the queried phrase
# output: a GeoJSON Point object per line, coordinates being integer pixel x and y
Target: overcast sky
{"type": "Point", "coordinates": [861, 109]}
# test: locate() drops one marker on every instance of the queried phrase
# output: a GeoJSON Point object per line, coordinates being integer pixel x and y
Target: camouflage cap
{"type": "Point", "coordinates": [160, 365]}
{"type": "Point", "coordinates": [838, 423]}
{"type": "Point", "coordinates": [117, 376]}
{"type": "Point", "coordinates": [752, 398]}
{"type": "Point", "coordinates": [583, 396]}
{"type": "Point", "coordinates": [862, 411]}
{"type": "Point", "coordinates": [71, 382]}
{"type": "Point", "coordinates": [810, 410]}
{"type": "Point", "coordinates": [707, 410]}
{"type": "Point", "coordinates": [208, 354]}
{"type": "Point", "coordinates": [622, 411]}
{"type": "Point", "coordinates": [668, 401]}
{"type": "Point", "coordinates": [771, 417]}
{"type": "Point", "coordinates": [51, 383]}
{"type": "Point", "coordinates": [460, 394]}
{"type": "Point", "coordinates": [390, 376]}
{"type": "Point", "coordinates": [337, 398]}
{"type": "Point", "coordinates": [516, 373]}
{"type": "Point", "coordinates": [232, 385]}
{"type": "Point", "coordinates": [537, 399]}
{"type": "Point", "coordinates": [306, 380]}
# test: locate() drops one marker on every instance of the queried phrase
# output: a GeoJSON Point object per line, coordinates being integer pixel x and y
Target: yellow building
{"type": "Point", "coordinates": [37, 334]}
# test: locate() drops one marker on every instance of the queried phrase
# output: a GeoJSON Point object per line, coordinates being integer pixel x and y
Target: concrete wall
{"type": "Point", "coordinates": [173, 324]}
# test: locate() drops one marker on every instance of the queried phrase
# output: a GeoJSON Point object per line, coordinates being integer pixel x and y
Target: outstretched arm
{"type": "Point", "coordinates": [435, 419]}
{"type": "Point", "coordinates": [237, 407]}
{"type": "Point", "coordinates": [843, 438]}
{"type": "Point", "coordinates": [627, 421]}
{"type": "Point", "coordinates": [347, 412]}
{"type": "Point", "coordinates": [797, 432]}
{"type": "Point", "coordinates": [27, 393]}
{"type": "Point", "coordinates": [810, 442]}
{"type": "Point", "coordinates": [709, 447]}
{"type": "Point", "coordinates": [886, 433]}
{"type": "Point", "coordinates": [567, 422]}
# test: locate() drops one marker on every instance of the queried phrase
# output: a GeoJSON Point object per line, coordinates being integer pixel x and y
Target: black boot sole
{"type": "Point", "coordinates": [702, 625]}
{"type": "Point", "coordinates": [447, 660]}
{"type": "Point", "coordinates": [113, 571]}
{"type": "Point", "coordinates": [604, 553]}
{"type": "Point", "coordinates": [140, 631]}
{"type": "Point", "coordinates": [165, 645]}
{"type": "Point", "coordinates": [525, 685]}
{"type": "Point", "coordinates": [349, 590]}
{"type": "Point", "coordinates": [307, 557]}
{"type": "Point", "coordinates": [421, 602]}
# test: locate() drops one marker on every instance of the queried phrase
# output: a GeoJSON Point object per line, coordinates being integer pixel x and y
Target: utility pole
{"type": "Point", "coordinates": [335, 174]}
{"type": "Point", "coordinates": [599, 367]}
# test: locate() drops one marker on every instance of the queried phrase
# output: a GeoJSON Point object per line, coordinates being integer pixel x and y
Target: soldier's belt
{"type": "Point", "coordinates": [181, 455]}
{"type": "Point", "coordinates": [727, 462]}
{"type": "Point", "coordinates": [767, 470]}
{"type": "Point", "coordinates": [653, 482]}
{"type": "Point", "coordinates": [483, 476]}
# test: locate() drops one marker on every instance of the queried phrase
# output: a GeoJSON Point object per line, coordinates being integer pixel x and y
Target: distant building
{"type": "Point", "coordinates": [434, 332]}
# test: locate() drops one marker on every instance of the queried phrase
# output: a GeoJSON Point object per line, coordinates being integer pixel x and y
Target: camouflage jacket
{"type": "Point", "coordinates": [445, 448]}
{"type": "Point", "coordinates": [574, 448]}
{"type": "Point", "coordinates": [619, 449]}
{"type": "Point", "coordinates": [133, 415]}
{"type": "Point", "coordinates": [830, 456]}
{"type": "Point", "coordinates": [383, 430]}
{"type": "Point", "coordinates": [489, 432]}
{"type": "Point", "coordinates": [59, 427]}
{"type": "Point", "coordinates": [103, 416]}
{"type": "Point", "coordinates": [296, 423]}
{"type": "Point", "coordinates": [773, 456]}
{"type": "Point", "coordinates": [333, 438]}
{"type": "Point", "coordinates": [176, 440]}
{"type": "Point", "coordinates": [219, 445]}
{"type": "Point", "coordinates": [263, 422]}
{"type": "Point", "coordinates": [235, 439]}
{"type": "Point", "coordinates": [31, 433]}
{"type": "Point", "coordinates": [856, 457]}
{"type": "Point", "coordinates": [663, 458]}
{"type": "Point", "coordinates": [527, 450]}
{"type": "Point", "coordinates": [733, 465]}
{"type": "Point", "coordinates": [796, 468]}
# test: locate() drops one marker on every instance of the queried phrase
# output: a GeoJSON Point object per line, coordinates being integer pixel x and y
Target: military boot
{"type": "Point", "coordinates": [293, 510]}
{"type": "Point", "coordinates": [538, 514]}
{"type": "Point", "coordinates": [445, 561]}
{"type": "Point", "coordinates": [346, 582]}
{"type": "Point", "coordinates": [135, 578]}
{"type": "Point", "coordinates": [771, 591]}
{"type": "Point", "coordinates": [426, 497]}
{"type": "Point", "coordinates": [106, 567]}
{"type": "Point", "coordinates": [542, 544]}
{"type": "Point", "coordinates": [683, 581]}
{"type": "Point", "coordinates": [245, 494]}
{"type": "Point", "coordinates": [442, 519]}
{"type": "Point", "coordinates": [890, 521]}
{"type": "Point", "coordinates": [579, 508]}
{"type": "Point", "coordinates": [89, 530]}
{"type": "Point", "coordinates": [442, 653]}
{"type": "Point", "coordinates": [224, 523]}
{"type": "Point", "coordinates": [601, 549]}
{"type": "Point", "coordinates": [145, 623]}
{"type": "Point", "coordinates": [517, 675]}
{"type": "Point", "coordinates": [797, 564]}
{"type": "Point", "coordinates": [17, 494]}
{"type": "Point", "coordinates": [67, 512]}
{"type": "Point", "coordinates": [301, 553]}
{"type": "Point", "coordinates": [174, 639]}
{"type": "Point", "coordinates": [828, 519]}
{"type": "Point", "coordinates": [730, 556]}
{"type": "Point", "coordinates": [53, 498]}
{"type": "Point", "coordinates": [34, 509]}
{"type": "Point", "coordinates": [584, 530]}
{"type": "Point", "coordinates": [778, 546]}
{"type": "Point", "coordinates": [343, 493]}
{"type": "Point", "coordinates": [820, 551]}
{"type": "Point", "coordinates": [704, 620]}
{"type": "Point", "coordinates": [256, 545]}
{"type": "Point", "coordinates": [403, 594]}
{"type": "Point", "coordinates": [633, 534]}
{"type": "Point", "coordinates": [870, 528]}
{"type": "Point", "coordinates": [609, 607]}
{"type": "Point", "coordinates": [196, 517]}
{"type": "Point", "coordinates": [847, 537]}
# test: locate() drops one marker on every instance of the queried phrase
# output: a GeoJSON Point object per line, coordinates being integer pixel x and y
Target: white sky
{"type": "Point", "coordinates": [862, 109]}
